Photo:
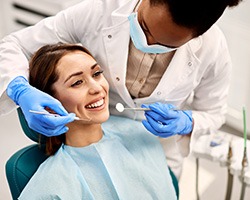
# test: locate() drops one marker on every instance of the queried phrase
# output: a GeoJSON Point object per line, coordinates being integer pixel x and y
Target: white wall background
{"type": "Point", "coordinates": [5, 20]}
{"type": "Point", "coordinates": [235, 24]}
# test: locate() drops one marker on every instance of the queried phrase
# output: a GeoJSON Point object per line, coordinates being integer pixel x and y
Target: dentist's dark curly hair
{"type": "Point", "coordinates": [199, 15]}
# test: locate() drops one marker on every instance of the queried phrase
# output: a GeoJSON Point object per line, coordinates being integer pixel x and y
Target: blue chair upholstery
{"type": "Point", "coordinates": [175, 183]}
{"type": "Point", "coordinates": [23, 164]}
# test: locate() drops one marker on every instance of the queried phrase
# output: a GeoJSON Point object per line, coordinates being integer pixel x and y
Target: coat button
{"type": "Point", "coordinates": [117, 78]}
{"type": "Point", "coordinates": [141, 81]}
{"type": "Point", "coordinates": [159, 93]}
{"type": "Point", "coordinates": [109, 36]}
{"type": "Point", "coordinates": [190, 63]}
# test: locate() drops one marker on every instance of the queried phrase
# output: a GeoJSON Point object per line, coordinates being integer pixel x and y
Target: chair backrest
{"type": "Point", "coordinates": [23, 164]}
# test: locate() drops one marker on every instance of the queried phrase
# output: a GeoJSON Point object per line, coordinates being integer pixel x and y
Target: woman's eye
{"type": "Point", "coordinates": [77, 83]}
{"type": "Point", "coordinates": [98, 73]}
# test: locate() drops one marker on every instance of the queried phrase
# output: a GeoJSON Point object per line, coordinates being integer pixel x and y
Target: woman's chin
{"type": "Point", "coordinates": [94, 119]}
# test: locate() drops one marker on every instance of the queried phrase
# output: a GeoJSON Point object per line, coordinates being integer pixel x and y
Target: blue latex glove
{"type": "Point", "coordinates": [163, 121]}
{"type": "Point", "coordinates": [30, 98]}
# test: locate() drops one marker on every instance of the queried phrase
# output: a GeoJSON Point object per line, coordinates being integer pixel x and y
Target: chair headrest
{"type": "Point", "coordinates": [33, 135]}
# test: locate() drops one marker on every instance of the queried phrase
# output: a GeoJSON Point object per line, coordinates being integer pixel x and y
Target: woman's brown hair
{"type": "Point", "coordinates": [42, 75]}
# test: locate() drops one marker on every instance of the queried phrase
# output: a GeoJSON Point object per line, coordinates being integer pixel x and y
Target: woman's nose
{"type": "Point", "coordinates": [94, 87]}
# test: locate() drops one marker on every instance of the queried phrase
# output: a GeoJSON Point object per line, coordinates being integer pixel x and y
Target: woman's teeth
{"type": "Point", "coordinates": [96, 104]}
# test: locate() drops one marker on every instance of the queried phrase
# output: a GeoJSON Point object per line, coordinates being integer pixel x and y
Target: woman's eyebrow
{"type": "Point", "coordinates": [80, 73]}
{"type": "Point", "coordinates": [93, 66]}
{"type": "Point", "coordinates": [74, 74]}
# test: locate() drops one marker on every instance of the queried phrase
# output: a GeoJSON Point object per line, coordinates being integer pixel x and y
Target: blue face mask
{"type": "Point", "coordinates": [139, 39]}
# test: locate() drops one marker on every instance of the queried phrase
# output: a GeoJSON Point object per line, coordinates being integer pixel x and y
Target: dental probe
{"type": "Point", "coordinates": [45, 113]}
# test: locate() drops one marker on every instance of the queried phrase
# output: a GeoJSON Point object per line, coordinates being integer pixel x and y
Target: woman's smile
{"type": "Point", "coordinates": [96, 104]}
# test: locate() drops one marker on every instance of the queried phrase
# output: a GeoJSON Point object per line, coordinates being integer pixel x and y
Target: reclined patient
{"type": "Point", "coordinates": [95, 158]}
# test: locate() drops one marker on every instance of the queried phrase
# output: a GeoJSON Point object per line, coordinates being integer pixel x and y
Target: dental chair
{"type": "Point", "coordinates": [23, 164]}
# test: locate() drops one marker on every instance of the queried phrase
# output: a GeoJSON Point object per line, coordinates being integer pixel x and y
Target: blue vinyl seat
{"type": "Point", "coordinates": [23, 164]}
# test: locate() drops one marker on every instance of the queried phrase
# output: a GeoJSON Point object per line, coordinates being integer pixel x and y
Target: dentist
{"type": "Point", "coordinates": [164, 51]}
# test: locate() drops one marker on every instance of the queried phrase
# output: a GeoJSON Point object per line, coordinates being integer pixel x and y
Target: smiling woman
{"type": "Point", "coordinates": [93, 160]}
{"type": "Point", "coordinates": [71, 75]}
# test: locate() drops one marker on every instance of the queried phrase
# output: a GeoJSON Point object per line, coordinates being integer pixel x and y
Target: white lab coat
{"type": "Point", "coordinates": [198, 74]}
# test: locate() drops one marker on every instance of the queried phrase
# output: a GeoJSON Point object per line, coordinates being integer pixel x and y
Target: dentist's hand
{"type": "Point", "coordinates": [30, 98]}
{"type": "Point", "coordinates": [163, 121]}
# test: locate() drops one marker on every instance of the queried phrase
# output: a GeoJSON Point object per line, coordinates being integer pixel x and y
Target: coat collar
{"type": "Point", "coordinates": [195, 44]}
{"type": "Point", "coordinates": [120, 14]}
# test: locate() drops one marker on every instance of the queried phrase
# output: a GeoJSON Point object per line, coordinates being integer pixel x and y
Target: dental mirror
{"type": "Point", "coordinates": [120, 108]}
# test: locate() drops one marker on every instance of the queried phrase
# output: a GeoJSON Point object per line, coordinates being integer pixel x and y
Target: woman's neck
{"type": "Point", "coordinates": [80, 135]}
